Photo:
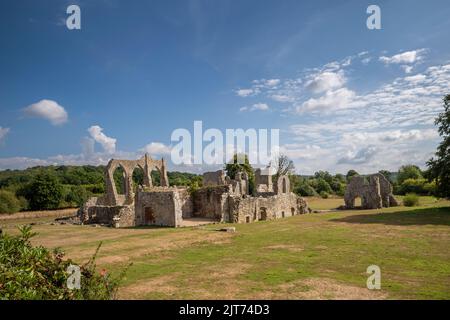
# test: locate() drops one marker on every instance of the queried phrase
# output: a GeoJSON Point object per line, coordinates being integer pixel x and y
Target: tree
{"type": "Point", "coordinates": [387, 174]}
{"type": "Point", "coordinates": [8, 202]}
{"type": "Point", "coordinates": [304, 189]}
{"type": "Point", "coordinates": [77, 195]}
{"type": "Point", "coordinates": [283, 166]}
{"type": "Point", "coordinates": [323, 186]}
{"type": "Point", "coordinates": [324, 175]}
{"type": "Point", "coordinates": [408, 172]}
{"type": "Point", "coordinates": [350, 174]}
{"type": "Point", "coordinates": [439, 167]}
{"type": "Point", "coordinates": [45, 192]}
{"type": "Point", "coordinates": [233, 167]}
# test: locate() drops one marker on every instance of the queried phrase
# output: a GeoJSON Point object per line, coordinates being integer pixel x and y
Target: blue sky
{"type": "Point", "coordinates": [342, 95]}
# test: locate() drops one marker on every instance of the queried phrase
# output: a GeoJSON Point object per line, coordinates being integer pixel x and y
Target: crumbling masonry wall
{"type": "Point", "coordinates": [375, 192]}
{"type": "Point", "coordinates": [222, 199]}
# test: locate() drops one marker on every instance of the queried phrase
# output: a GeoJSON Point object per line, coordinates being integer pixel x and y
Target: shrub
{"type": "Point", "coordinates": [305, 190]}
{"type": "Point", "coordinates": [322, 185]}
{"type": "Point", "coordinates": [431, 188]}
{"type": "Point", "coordinates": [416, 186]}
{"type": "Point", "coordinates": [8, 202]}
{"type": "Point", "coordinates": [411, 200]}
{"type": "Point", "coordinates": [324, 195]}
{"type": "Point", "coordinates": [28, 272]}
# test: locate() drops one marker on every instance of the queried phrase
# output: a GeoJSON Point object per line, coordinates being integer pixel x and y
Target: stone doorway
{"type": "Point", "coordinates": [263, 214]}
{"type": "Point", "coordinates": [149, 217]}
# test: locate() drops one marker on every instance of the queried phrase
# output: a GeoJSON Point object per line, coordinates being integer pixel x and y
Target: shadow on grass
{"type": "Point", "coordinates": [430, 216]}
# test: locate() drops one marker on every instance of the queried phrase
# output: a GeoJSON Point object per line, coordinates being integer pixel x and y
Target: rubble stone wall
{"type": "Point", "coordinates": [250, 209]}
{"type": "Point", "coordinates": [211, 202]}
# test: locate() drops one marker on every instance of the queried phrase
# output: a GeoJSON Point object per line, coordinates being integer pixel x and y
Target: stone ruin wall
{"type": "Point", "coordinates": [163, 207]}
{"type": "Point", "coordinates": [232, 203]}
{"type": "Point", "coordinates": [375, 192]}
{"type": "Point", "coordinates": [246, 210]}
{"type": "Point", "coordinates": [115, 216]}
{"type": "Point", "coordinates": [212, 202]}
{"type": "Point", "coordinates": [222, 199]}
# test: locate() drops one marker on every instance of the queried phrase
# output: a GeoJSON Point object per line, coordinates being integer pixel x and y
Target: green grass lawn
{"type": "Point", "coordinates": [315, 256]}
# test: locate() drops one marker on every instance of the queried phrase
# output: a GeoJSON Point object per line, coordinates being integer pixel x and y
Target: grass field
{"type": "Point", "coordinates": [315, 256]}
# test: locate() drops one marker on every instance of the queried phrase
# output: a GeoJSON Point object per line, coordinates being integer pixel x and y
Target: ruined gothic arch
{"type": "Point", "coordinates": [283, 185]}
{"type": "Point", "coordinates": [146, 163]}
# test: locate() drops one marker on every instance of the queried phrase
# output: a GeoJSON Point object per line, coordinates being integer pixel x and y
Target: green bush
{"type": "Point", "coordinates": [411, 200]}
{"type": "Point", "coordinates": [305, 190]}
{"type": "Point", "coordinates": [323, 186]}
{"type": "Point", "coordinates": [416, 186]}
{"type": "Point", "coordinates": [28, 272]}
{"type": "Point", "coordinates": [8, 202]}
{"type": "Point", "coordinates": [324, 195]}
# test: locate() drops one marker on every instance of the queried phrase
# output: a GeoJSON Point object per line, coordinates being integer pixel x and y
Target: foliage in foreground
{"type": "Point", "coordinates": [29, 272]}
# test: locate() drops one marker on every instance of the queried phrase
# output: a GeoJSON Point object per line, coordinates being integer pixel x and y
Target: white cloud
{"type": "Point", "coordinates": [366, 60]}
{"type": "Point", "coordinates": [49, 110]}
{"type": "Point", "coordinates": [87, 147]}
{"type": "Point", "coordinates": [272, 82]}
{"type": "Point", "coordinates": [382, 129]}
{"type": "Point", "coordinates": [21, 163]}
{"type": "Point", "coordinates": [245, 92]}
{"type": "Point", "coordinates": [256, 107]}
{"type": "Point", "coordinates": [416, 79]}
{"type": "Point", "coordinates": [407, 57]}
{"type": "Point", "coordinates": [157, 148]}
{"type": "Point", "coordinates": [361, 156]}
{"type": "Point", "coordinates": [332, 100]}
{"type": "Point", "coordinates": [407, 69]}
{"type": "Point", "coordinates": [282, 98]}
{"type": "Point", "coordinates": [3, 133]}
{"type": "Point", "coordinates": [108, 144]}
{"type": "Point", "coordinates": [325, 81]}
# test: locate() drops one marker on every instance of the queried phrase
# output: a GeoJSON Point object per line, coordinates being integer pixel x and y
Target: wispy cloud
{"type": "Point", "coordinates": [340, 128]}
{"type": "Point", "coordinates": [256, 107]}
{"type": "Point", "coordinates": [408, 57]}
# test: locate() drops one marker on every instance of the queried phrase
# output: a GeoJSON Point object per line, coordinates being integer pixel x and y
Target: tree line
{"type": "Point", "coordinates": [56, 187]}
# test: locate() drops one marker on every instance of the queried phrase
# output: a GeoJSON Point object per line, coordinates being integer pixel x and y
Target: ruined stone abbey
{"type": "Point", "coordinates": [375, 192]}
{"type": "Point", "coordinates": [220, 199]}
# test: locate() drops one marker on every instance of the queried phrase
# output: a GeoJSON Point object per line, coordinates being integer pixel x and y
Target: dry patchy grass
{"type": "Point", "coordinates": [316, 256]}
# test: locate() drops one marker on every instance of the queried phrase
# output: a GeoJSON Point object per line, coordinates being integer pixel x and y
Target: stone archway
{"type": "Point", "coordinates": [146, 163]}
{"type": "Point", "coordinates": [283, 185]}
